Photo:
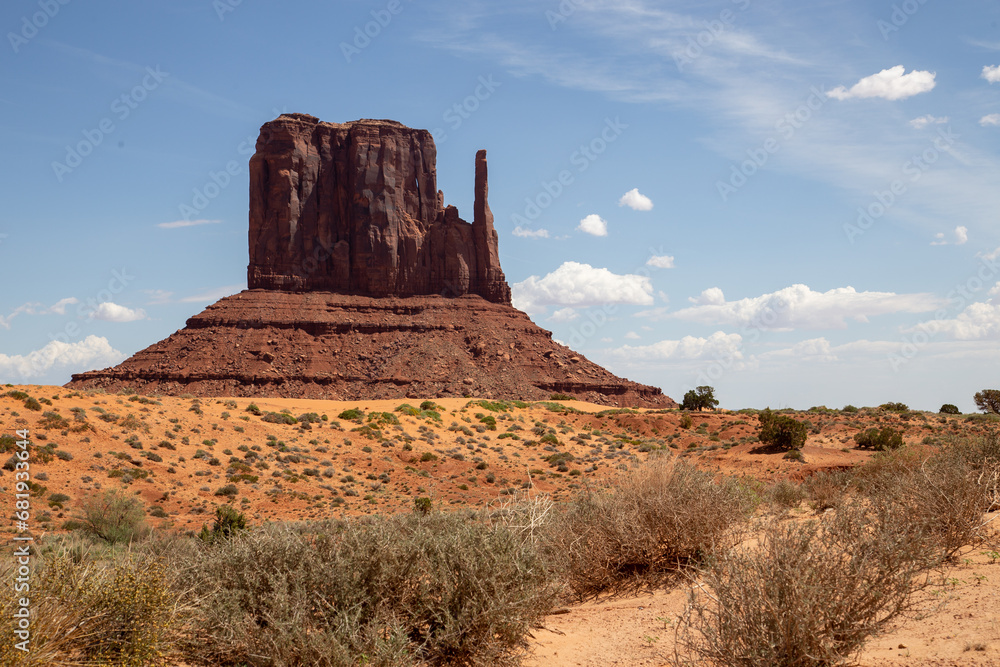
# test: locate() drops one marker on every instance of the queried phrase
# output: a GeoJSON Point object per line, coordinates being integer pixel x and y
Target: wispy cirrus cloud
{"type": "Point", "coordinates": [177, 224]}
{"type": "Point", "coordinates": [746, 85]}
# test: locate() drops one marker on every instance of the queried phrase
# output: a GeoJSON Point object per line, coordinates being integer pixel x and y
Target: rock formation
{"type": "Point", "coordinates": [363, 284]}
{"type": "Point", "coordinates": [354, 208]}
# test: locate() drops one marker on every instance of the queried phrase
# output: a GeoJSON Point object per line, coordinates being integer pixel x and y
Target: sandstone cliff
{"type": "Point", "coordinates": [354, 208]}
{"type": "Point", "coordinates": [363, 284]}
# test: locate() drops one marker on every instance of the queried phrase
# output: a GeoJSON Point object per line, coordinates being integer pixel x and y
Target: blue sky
{"type": "Point", "coordinates": [796, 203]}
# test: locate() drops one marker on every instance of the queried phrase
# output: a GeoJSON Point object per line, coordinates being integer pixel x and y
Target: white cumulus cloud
{"type": "Point", "coordinates": [88, 354]}
{"type": "Point", "coordinates": [992, 120]}
{"type": "Point", "coordinates": [579, 285]}
{"type": "Point", "coordinates": [661, 261]}
{"type": "Point", "coordinates": [594, 225]}
{"type": "Point", "coordinates": [564, 315]}
{"type": "Point", "coordinates": [923, 121]}
{"type": "Point", "coordinates": [636, 201]}
{"type": "Point", "coordinates": [530, 233]}
{"type": "Point", "coordinates": [889, 84]}
{"type": "Point", "coordinates": [992, 73]}
{"type": "Point", "coordinates": [713, 296]}
{"type": "Point", "coordinates": [689, 348]}
{"type": "Point", "coordinates": [112, 312]}
{"type": "Point", "coordinates": [978, 321]}
{"type": "Point", "coordinates": [799, 307]}
{"type": "Point", "coordinates": [814, 349]}
{"type": "Point", "coordinates": [961, 236]}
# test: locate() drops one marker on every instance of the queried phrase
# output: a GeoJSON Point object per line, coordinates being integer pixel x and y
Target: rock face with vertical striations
{"type": "Point", "coordinates": [354, 208]}
{"type": "Point", "coordinates": [363, 284]}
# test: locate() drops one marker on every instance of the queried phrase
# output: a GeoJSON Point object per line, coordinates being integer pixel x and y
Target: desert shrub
{"type": "Point", "coordinates": [879, 440]}
{"type": "Point", "coordinates": [229, 490]}
{"type": "Point", "coordinates": [407, 410]}
{"type": "Point", "coordinates": [114, 516]}
{"type": "Point", "coordinates": [808, 594]}
{"type": "Point", "coordinates": [310, 418]}
{"type": "Point", "coordinates": [949, 409]}
{"type": "Point", "coordinates": [351, 415]}
{"type": "Point", "coordinates": [52, 420]}
{"type": "Point", "coordinates": [405, 590]}
{"type": "Point", "coordinates": [254, 410]}
{"type": "Point", "coordinates": [895, 407]}
{"type": "Point", "coordinates": [383, 419]}
{"type": "Point", "coordinates": [661, 518]}
{"type": "Point", "coordinates": [118, 611]}
{"type": "Point", "coordinates": [786, 494]}
{"type": "Point", "coordinates": [561, 397]}
{"type": "Point", "coordinates": [422, 505]}
{"type": "Point", "coordinates": [945, 494]}
{"type": "Point", "coordinates": [781, 431]}
{"type": "Point", "coordinates": [32, 404]}
{"type": "Point", "coordinates": [850, 409]}
{"type": "Point", "coordinates": [686, 422]}
{"type": "Point", "coordinates": [279, 418]}
{"type": "Point", "coordinates": [131, 422]}
{"type": "Point", "coordinates": [827, 489]}
{"type": "Point", "coordinates": [228, 522]}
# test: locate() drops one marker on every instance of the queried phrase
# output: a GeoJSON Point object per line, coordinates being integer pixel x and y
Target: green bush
{"type": "Point", "coordinates": [949, 409]}
{"type": "Point", "coordinates": [781, 431]}
{"type": "Point", "coordinates": [114, 516]}
{"type": "Point", "coordinates": [254, 410]}
{"type": "Point", "coordinates": [228, 522]}
{"type": "Point", "coordinates": [52, 420]}
{"type": "Point", "coordinates": [422, 505]}
{"type": "Point", "coordinates": [280, 418]}
{"type": "Point", "coordinates": [701, 398]}
{"type": "Point", "coordinates": [873, 438]}
{"type": "Point", "coordinates": [353, 414]}
{"type": "Point", "coordinates": [229, 490]}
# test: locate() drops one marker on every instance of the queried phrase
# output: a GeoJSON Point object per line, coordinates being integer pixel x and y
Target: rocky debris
{"type": "Point", "coordinates": [354, 208]}
{"type": "Point", "coordinates": [348, 347]}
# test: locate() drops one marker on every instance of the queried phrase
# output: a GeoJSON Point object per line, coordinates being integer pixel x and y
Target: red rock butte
{"type": "Point", "coordinates": [364, 284]}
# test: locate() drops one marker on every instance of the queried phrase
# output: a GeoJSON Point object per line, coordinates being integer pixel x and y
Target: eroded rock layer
{"type": "Point", "coordinates": [349, 347]}
{"type": "Point", "coordinates": [354, 208]}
